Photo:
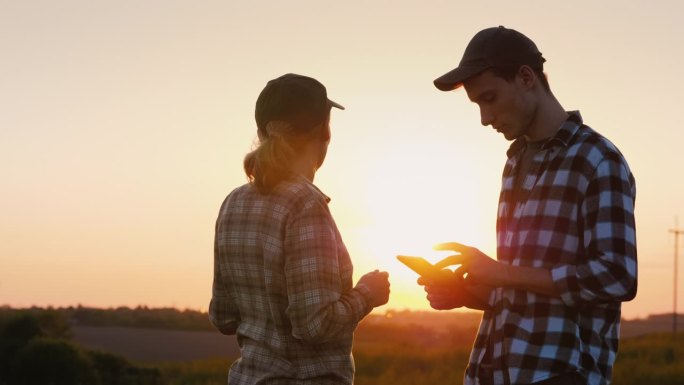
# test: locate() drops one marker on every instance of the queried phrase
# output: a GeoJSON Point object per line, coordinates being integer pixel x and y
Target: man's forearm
{"type": "Point", "coordinates": [533, 279]}
{"type": "Point", "coordinates": [477, 296]}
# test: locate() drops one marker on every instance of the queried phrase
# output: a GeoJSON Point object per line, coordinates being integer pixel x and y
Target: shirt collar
{"type": "Point", "coordinates": [562, 137]}
{"type": "Point", "coordinates": [302, 179]}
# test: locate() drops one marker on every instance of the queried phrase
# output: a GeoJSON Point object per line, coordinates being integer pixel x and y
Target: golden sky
{"type": "Point", "coordinates": [123, 125]}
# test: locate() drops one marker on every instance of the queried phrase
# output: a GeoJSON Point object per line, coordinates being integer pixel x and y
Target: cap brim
{"type": "Point", "coordinates": [336, 105]}
{"type": "Point", "coordinates": [455, 78]}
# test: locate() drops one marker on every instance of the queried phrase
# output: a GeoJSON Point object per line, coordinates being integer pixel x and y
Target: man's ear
{"type": "Point", "coordinates": [325, 129]}
{"type": "Point", "coordinates": [527, 75]}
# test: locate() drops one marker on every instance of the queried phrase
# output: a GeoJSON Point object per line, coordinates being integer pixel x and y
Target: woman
{"type": "Point", "coordinates": [282, 275]}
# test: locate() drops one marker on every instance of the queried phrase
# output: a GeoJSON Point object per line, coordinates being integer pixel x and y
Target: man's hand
{"type": "Point", "coordinates": [479, 267]}
{"type": "Point", "coordinates": [378, 284]}
{"type": "Point", "coordinates": [484, 271]}
{"type": "Point", "coordinates": [446, 291]}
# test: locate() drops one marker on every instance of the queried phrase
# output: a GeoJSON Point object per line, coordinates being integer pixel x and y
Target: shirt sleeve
{"type": "Point", "coordinates": [318, 307]}
{"type": "Point", "coordinates": [223, 311]}
{"type": "Point", "coordinates": [607, 272]}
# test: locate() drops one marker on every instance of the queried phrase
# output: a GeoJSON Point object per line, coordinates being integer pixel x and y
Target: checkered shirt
{"type": "Point", "coordinates": [283, 284]}
{"type": "Point", "coordinates": [574, 215]}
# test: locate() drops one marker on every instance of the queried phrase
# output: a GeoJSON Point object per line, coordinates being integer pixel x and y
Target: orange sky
{"type": "Point", "coordinates": [124, 125]}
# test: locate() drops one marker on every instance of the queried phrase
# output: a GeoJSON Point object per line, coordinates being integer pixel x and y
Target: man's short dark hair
{"type": "Point", "coordinates": [508, 73]}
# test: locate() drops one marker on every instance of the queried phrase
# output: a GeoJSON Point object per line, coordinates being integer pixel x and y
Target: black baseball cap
{"type": "Point", "coordinates": [300, 100]}
{"type": "Point", "coordinates": [492, 47]}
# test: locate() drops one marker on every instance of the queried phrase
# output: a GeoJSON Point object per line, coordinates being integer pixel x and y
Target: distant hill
{"type": "Point", "coordinates": [656, 323]}
{"type": "Point", "coordinates": [400, 329]}
{"type": "Point", "coordinates": [193, 320]}
{"type": "Point", "coordinates": [156, 345]}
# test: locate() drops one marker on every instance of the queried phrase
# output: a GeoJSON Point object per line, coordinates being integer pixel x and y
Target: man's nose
{"type": "Point", "coordinates": [486, 117]}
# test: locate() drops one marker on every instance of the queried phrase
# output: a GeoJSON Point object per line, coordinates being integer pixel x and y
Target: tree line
{"type": "Point", "coordinates": [36, 349]}
{"type": "Point", "coordinates": [140, 316]}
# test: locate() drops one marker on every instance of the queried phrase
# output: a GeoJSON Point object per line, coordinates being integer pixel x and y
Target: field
{"type": "Point", "coordinates": [652, 359]}
{"type": "Point", "coordinates": [154, 345]}
{"type": "Point", "coordinates": [402, 348]}
{"type": "Point", "coordinates": [398, 348]}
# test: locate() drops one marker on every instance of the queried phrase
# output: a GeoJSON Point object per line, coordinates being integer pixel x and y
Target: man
{"type": "Point", "coordinates": [566, 238]}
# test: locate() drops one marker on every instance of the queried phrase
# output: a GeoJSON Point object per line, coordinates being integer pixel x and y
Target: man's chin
{"type": "Point", "coordinates": [509, 136]}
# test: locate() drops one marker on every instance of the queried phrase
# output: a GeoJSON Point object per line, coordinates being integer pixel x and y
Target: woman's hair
{"type": "Point", "coordinates": [270, 162]}
{"type": "Point", "coordinates": [290, 111]}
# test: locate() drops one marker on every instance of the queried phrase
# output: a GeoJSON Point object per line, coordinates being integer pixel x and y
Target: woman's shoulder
{"type": "Point", "coordinates": [301, 191]}
{"type": "Point", "coordinates": [293, 194]}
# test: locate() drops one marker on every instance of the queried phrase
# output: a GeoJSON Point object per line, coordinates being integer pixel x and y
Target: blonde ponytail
{"type": "Point", "coordinates": [269, 164]}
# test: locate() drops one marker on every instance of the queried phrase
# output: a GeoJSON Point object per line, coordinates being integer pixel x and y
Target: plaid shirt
{"type": "Point", "coordinates": [283, 284]}
{"type": "Point", "coordinates": [574, 215]}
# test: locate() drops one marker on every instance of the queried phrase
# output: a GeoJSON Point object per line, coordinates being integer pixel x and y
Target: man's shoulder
{"type": "Point", "coordinates": [594, 146]}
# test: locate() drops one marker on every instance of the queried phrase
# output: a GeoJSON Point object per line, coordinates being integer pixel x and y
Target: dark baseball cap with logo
{"type": "Point", "coordinates": [492, 47]}
{"type": "Point", "coordinates": [300, 100]}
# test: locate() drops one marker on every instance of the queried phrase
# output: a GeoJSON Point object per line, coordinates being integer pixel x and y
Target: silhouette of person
{"type": "Point", "coordinates": [566, 236]}
{"type": "Point", "coordinates": [282, 274]}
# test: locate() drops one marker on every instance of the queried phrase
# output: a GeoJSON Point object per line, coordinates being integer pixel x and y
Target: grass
{"type": "Point", "coordinates": [651, 359]}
